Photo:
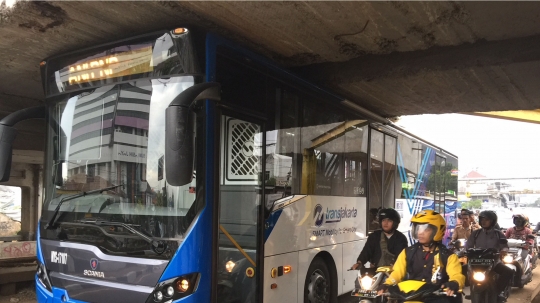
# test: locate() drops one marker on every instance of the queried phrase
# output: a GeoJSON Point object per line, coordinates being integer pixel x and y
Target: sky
{"type": "Point", "coordinates": [494, 147]}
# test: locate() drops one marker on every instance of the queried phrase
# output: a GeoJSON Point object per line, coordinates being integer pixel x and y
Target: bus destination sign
{"type": "Point", "coordinates": [119, 64]}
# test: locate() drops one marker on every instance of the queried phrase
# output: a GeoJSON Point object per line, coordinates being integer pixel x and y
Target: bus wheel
{"type": "Point", "coordinates": [317, 288]}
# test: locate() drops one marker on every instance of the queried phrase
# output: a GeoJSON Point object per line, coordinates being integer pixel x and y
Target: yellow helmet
{"type": "Point", "coordinates": [429, 219]}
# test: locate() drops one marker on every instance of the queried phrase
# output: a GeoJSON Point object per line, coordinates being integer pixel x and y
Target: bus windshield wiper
{"type": "Point", "coordinates": [158, 246]}
{"type": "Point", "coordinates": [52, 221]}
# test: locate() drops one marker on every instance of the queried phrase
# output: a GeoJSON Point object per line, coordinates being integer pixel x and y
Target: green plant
{"type": "Point", "coordinates": [271, 181]}
{"type": "Point", "coordinates": [473, 204]}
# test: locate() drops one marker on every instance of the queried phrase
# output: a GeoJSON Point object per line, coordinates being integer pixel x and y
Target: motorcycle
{"type": "Point", "coordinates": [458, 247]}
{"type": "Point", "coordinates": [369, 280]}
{"type": "Point", "coordinates": [533, 250]}
{"type": "Point", "coordinates": [482, 279]}
{"type": "Point", "coordinates": [518, 259]}
{"type": "Point", "coordinates": [412, 291]}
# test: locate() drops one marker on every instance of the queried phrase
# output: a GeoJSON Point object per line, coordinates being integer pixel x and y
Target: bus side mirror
{"type": "Point", "coordinates": [7, 136]}
{"type": "Point", "coordinates": [179, 132]}
{"type": "Point", "coordinates": [59, 144]}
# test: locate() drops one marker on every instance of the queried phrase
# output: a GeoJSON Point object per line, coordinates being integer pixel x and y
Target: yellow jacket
{"type": "Point", "coordinates": [453, 269]}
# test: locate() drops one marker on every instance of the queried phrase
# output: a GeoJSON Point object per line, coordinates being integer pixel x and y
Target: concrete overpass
{"type": "Point", "coordinates": [394, 58]}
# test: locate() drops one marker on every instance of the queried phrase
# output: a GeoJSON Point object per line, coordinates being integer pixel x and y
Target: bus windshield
{"type": "Point", "coordinates": [105, 158]}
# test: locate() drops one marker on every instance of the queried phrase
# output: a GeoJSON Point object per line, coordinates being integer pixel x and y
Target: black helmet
{"type": "Point", "coordinates": [389, 213]}
{"type": "Point", "coordinates": [490, 215]}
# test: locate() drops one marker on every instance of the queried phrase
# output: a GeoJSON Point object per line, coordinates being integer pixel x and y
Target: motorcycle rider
{"type": "Point", "coordinates": [520, 231]}
{"type": "Point", "coordinates": [472, 218]}
{"type": "Point", "coordinates": [537, 228]}
{"type": "Point", "coordinates": [428, 259]}
{"type": "Point", "coordinates": [464, 230]}
{"type": "Point", "coordinates": [489, 237]}
{"type": "Point", "coordinates": [383, 245]}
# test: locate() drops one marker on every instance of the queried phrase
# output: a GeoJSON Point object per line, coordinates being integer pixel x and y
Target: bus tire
{"type": "Point", "coordinates": [318, 286]}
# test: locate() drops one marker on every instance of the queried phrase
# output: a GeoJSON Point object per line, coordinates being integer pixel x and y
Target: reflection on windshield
{"type": "Point", "coordinates": [115, 135]}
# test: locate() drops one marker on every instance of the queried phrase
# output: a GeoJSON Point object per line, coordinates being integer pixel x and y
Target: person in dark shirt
{"type": "Point", "coordinates": [384, 245]}
{"type": "Point", "coordinates": [537, 228]}
{"type": "Point", "coordinates": [489, 237]}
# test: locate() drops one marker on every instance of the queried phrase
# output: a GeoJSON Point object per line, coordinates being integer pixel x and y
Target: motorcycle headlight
{"type": "Point", "coordinates": [479, 276]}
{"type": "Point", "coordinates": [366, 282]}
{"type": "Point", "coordinates": [229, 266]}
{"type": "Point", "coordinates": [508, 259]}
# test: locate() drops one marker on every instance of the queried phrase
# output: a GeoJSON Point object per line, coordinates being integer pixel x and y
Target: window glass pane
{"type": "Point", "coordinates": [355, 158]}
{"type": "Point", "coordinates": [283, 146]}
{"type": "Point", "coordinates": [111, 140]}
{"type": "Point", "coordinates": [376, 174]}
{"type": "Point", "coordinates": [389, 171]}
{"type": "Point", "coordinates": [240, 193]}
{"type": "Point", "coordinates": [322, 145]}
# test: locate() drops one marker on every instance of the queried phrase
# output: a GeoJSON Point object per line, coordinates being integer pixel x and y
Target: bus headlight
{"type": "Point", "coordinates": [479, 276]}
{"type": "Point", "coordinates": [158, 296]}
{"type": "Point", "coordinates": [174, 289]}
{"type": "Point", "coordinates": [366, 282]}
{"type": "Point", "coordinates": [43, 276]}
{"type": "Point", "coordinates": [508, 259]}
{"type": "Point", "coordinates": [182, 285]}
{"type": "Point", "coordinates": [170, 291]}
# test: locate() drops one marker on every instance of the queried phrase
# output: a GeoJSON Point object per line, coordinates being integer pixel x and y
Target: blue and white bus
{"type": "Point", "coordinates": [181, 167]}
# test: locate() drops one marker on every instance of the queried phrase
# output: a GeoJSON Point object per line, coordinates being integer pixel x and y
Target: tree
{"type": "Point", "coordinates": [441, 180]}
{"type": "Point", "coordinates": [473, 204]}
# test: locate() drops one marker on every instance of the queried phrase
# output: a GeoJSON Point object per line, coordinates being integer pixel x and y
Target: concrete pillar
{"type": "Point", "coordinates": [29, 178]}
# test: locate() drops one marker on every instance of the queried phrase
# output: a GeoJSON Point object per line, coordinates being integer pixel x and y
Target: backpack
{"type": "Point", "coordinates": [477, 232]}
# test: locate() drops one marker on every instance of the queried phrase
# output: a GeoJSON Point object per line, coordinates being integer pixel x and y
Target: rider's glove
{"type": "Point", "coordinates": [452, 285]}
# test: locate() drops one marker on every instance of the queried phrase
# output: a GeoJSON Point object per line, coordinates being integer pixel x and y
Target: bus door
{"type": "Point", "coordinates": [240, 177]}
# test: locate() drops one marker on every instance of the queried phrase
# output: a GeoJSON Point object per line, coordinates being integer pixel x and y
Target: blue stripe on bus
{"type": "Point", "coordinates": [270, 223]}
{"type": "Point", "coordinates": [39, 253]}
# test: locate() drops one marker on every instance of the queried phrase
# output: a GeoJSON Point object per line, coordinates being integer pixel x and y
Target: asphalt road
{"type": "Point", "coordinates": [26, 293]}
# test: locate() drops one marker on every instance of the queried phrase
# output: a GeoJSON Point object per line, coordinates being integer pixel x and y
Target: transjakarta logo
{"type": "Point", "coordinates": [332, 215]}
{"type": "Point", "coordinates": [318, 215]}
